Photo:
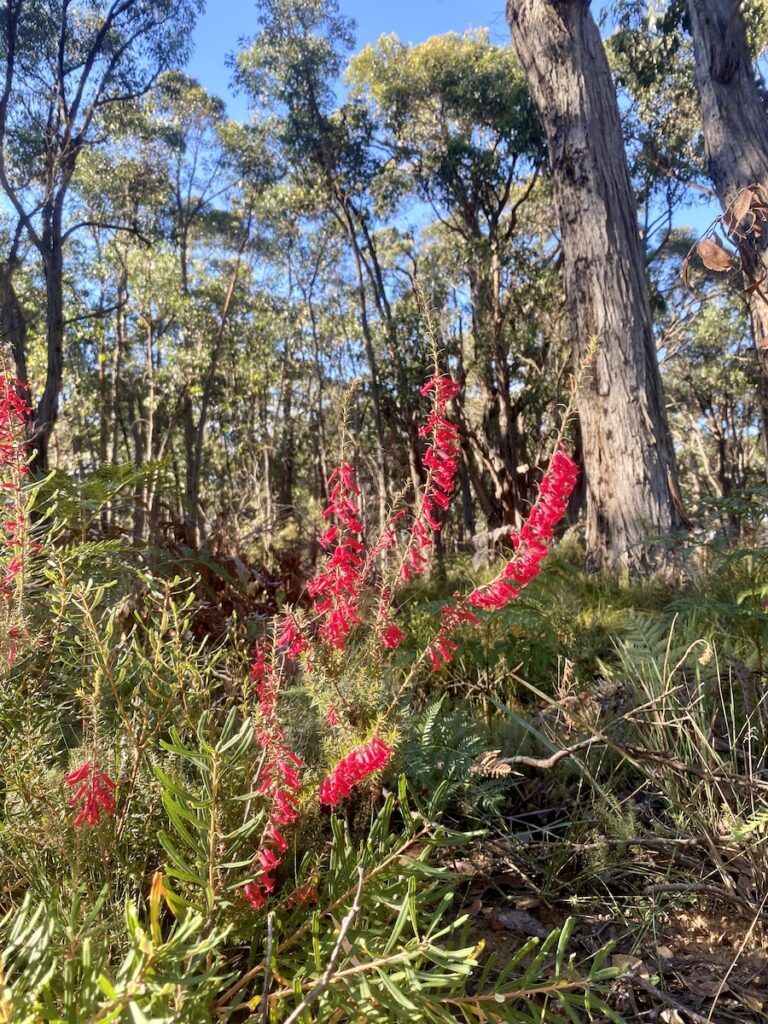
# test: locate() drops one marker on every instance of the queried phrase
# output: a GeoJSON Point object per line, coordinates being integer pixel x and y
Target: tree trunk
{"type": "Point", "coordinates": [628, 456]}
{"type": "Point", "coordinates": [13, 327]}
{"type": "Point", "coordinates": [48, 406]}
{"type": "Point", "coordinates": [382, 485]}
{"type": "Point", "coordinates": [735, 122]}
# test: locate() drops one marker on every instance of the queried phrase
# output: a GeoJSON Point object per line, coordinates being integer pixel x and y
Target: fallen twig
{"type": "Point", "coordinates": [314, 993]}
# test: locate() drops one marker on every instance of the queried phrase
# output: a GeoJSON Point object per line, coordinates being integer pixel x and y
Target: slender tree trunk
{"type": "Point", "coordinates": [628, 455]}
{"type": "Point", "coordinates": [48, 406]}
{"type": "Point", "coordinates": [286, 448]}
{"type": "Point", "coordinates": [373, 368]}
{"type": "Point", "coordinates": [735, 122]}
{"type": "Point", "coordinates": [13, 328]}
{"type": "Point", "coordinates": [117, 363]}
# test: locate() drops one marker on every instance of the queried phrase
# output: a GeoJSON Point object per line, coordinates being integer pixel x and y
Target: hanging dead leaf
{"type": "Point", "coordinates": [490, 764]}
{"type": "Point", "coordinates": [738, 209]}
{"type": "Point", "coordinates": [520, 921]}
{"type": "Point", "coordinates": [702, 982]}
{"type": "Point", "coordinates": [713, 256]}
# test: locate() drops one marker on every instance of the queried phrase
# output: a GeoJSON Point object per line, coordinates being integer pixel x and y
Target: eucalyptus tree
{"type": "Point", "coordinates": [629, 459]}
{"type": "Point", "coordinates": [733, 115]}
{"type": "Point", "coordinates": [66, 66]}
{"type": "Point", "coordinates": [289, 72]}
{"type": "Point", "coordinates": [651, 58]}
{"type": "Point", "coordinates": [455, 115]}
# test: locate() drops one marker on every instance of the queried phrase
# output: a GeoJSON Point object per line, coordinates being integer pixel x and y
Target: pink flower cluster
{"type": "Point", "coordinates": [280, 781]}
{"type": "Point", "coordinates": [441, 460]}
{"type": "Point", "coordinates": [337, 590]}
{"type": "Point", "coordinates": [531, 548]}
{"type": "Point", "coordinates": [14, 412]}
{"type": "Point", "coordinates": [336, 587]}
{"type": "Point", "coordinates": [531, 543]}
{"type": "Point", "coordinates": [94, 790]}
{"type": "Point", "coordinates": [291, 639]}
{"type": "Point", "coordinates": [352, 769]}
{"type": "Point", "coordinates": [441, 649]}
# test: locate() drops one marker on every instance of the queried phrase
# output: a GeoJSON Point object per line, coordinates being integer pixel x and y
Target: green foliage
{"type": "Point", "coordinates": [55, 966]}
{"type": "Point", "coordinates": [214, 821]}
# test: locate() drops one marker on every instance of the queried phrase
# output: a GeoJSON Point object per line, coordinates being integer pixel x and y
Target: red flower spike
{"type": "Point", "coordinates": [531, 542]}
{"type": "Point", "coordinates": [14, 412]}
{"type": "Point", "coordinates": [94, 790]}
{"type": "Point", "coordinates": [280, 781]}
{"type": "Point", "coordinates": [337, 585]}
{"type": "Point", "coordinates": [441, 460]}
{"type": "Point", "coordinates": [353, 768]}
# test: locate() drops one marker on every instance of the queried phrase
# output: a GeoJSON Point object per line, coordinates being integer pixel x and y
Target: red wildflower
{"type": "Point", "coordinates": [292, 639]}
{"type": "Point", "coordinates": [391, 636]}
{"type": "Point", "coordinates": [94, 791]}
{"type": "Point", "coordinates": [441, 460]}
{"type": "Point", "coordinates": [14, 412]}
{"type": "Point", "coordinates": [254, 895]}
{"type": "Point", "coordinates": [531, 542]}
{"type": "Point", "coordinates": [336, 587]}
{"type": "Point", "coordinates": [530, 550]}
{"type": "Point", "coordinates": [441, 651]}
{"type": "Point", "coordinates": [353, 768]}
{"type": "Point", "coordinates": [13, 417]}
{"type": "Point", "coordinates": [280, 780]}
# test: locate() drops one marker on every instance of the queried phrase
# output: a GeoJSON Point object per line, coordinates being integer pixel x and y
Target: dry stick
{"type": "Point", "coordinates": [550, 762]}
{"type": "Point", "coordinates": [264, 1009]}
{"type": "Point", "coordinates": [663, 997]}
{"type": "Point", "coordinates": [293, 939]}
{"type": "Point", "coordinates": [696, 888]}
{"type": "Point", "coordinates": [314, 994]}
{"type": "Point", "coordinates": [640, 755]}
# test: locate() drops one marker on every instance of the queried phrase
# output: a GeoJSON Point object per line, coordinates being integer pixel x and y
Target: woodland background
{"type": "Point", "coordinates": [194, 296]}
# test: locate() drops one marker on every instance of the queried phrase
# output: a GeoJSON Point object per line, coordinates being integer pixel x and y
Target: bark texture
{"type": "Point", "coordinates": [735, 123]}
{"type": "Point", "coordinates": [628, 455]}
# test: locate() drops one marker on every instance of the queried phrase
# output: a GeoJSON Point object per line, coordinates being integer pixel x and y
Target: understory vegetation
{"type": "Point", "coordinates": [572, 818]}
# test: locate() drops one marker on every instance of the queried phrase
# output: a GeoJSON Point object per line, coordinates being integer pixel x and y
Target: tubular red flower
{"type": "Point", "coordinates": [336, 587]}
{"type": "Point", "coordinates": [292, 639]}
{"type": "Point", "coordinates": [530, 543]}
{"type": "Point", "coordinates": [94, 791]}
{"type": "Point", "coordinates": [352, 769]}
{"type": "Point", "coordinates": [254, 895]}
{"type": "Point", "coordinates": [441, 461]}
{"type": "Point", "coordinates": [280, 782]}
{"type": "Point", "coordinates": [391, 636]}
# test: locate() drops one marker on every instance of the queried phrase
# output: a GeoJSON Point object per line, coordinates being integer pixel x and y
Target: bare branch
{"type": "Point", "coordinates": [314, 993]}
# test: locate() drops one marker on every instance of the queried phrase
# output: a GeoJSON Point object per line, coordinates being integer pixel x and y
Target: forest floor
{"type": "Point", "coordinates": [653, 839]}
{"type": "Point", "coordinates": [706, 962]}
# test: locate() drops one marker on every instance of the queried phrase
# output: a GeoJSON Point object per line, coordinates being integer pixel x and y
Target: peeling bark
{"type": "Point", "coordinates": [629, 461]}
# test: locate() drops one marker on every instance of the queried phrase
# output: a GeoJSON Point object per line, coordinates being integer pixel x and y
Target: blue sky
{"type": "Point", "coordinates": [227, 21]}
